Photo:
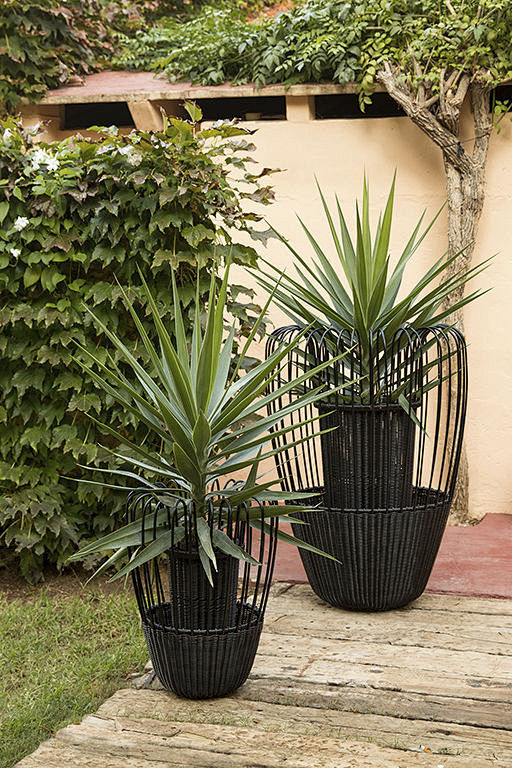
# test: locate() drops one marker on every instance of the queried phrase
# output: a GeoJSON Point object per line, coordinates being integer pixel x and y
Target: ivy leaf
{"type": "Point", "coordinates": [31, 275]}
{"type": "Point", "coordinates": [194, 235]}
{"type": "Point", "coordinates": [50, 278]}
{"type": "Point", "coordinates": [195, 112]}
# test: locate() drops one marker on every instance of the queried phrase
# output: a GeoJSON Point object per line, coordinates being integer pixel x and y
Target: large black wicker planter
{"type": "Point", "coordinates": [202, 639]}
{"type": "Point", "coordinates": [367, 456]}
{"type": "Point", "coordinates": [382, 478]}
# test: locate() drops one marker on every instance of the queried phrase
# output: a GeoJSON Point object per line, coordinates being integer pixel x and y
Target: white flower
{"type": "Point", "coordinates": [20, 223]}
{"type": "Point", "coordinates": [133, 155]}
{"type": "Point", "coordinates": [15, 252]}
{"type": "Point", "coordinates": [38, 158]}
{"type": "Point", "coordinates": [52, 164]}
{"type": "Point", "coordinates": [42, 157]}
{"type": "Point", "coordinates": [7, 135]}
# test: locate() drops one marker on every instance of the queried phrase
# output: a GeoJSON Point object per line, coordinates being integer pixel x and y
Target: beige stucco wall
{"type": "Point", "coordinates": [339, 152]}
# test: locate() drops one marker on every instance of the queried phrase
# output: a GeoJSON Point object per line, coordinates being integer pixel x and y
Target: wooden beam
{"type": "Point", "coordinates": [146, 115]}
{"type": "Point", "coordinates": [300, 109]}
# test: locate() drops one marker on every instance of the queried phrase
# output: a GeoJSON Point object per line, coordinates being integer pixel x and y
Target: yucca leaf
{"type": "Point", "coordinates": [206, 563]}
{"type": "Point", "coordinates": [289, 539]}
{"type": "Point", "coordinates": [204, 534]}
{"type": "Point", "coordinates": [202, 434]}
{"type": "Point", "coordinates": [228, 546]}
{"type": "Point", "coordinates": [196, 336]}
{"type": "Point", "coordinates": [107, 564]}
{"type": "Point", "coordinates": [188, 466]}
{"type": "Point", "coordinates": [208, 354]}
{"type": "Point", "coordinates": [179, 328]}
{"type": "Point", "coordinates": [382, 238]}
{"type": "Point", "coordinates": [177, 370]}
{"type": "Point", "coordinates": [158, 546]}
{"type": "Point", "coordinates": [222, 375]}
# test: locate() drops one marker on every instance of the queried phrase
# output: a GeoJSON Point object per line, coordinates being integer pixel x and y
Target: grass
{"type": "Point", "coordinates": [60, 657]}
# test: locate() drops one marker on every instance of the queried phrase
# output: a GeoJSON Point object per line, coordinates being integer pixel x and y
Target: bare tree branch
{"type": "Point", "coordinates": [483, 122]}
{"type": "Point", "coordinates": [424, 119]}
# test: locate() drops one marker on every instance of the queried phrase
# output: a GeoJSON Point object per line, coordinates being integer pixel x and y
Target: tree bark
{"type": "Point", "coordinates": [439, 118]}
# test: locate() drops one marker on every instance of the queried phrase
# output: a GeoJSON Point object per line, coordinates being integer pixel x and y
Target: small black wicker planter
{"type": "Point", "coordinates": [202, 639]}
{"type": "Point", "coordinates": [383, 477]}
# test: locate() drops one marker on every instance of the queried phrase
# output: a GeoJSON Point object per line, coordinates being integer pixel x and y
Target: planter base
{"type": "Point", "coordinates": [202, 664]}
{"type": "Point", "coordinates": [386, 555]}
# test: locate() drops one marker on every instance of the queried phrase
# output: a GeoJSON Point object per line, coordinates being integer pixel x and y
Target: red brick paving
{"type": "Point", "coordinates": [474, 560]}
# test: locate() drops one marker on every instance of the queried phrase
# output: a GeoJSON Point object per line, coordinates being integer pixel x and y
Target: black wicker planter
{"type": "Point", "coordinates": [194, 603]}
{"type": "Point", "coordinates": [202, 639]}
{"type": "Point", "coordinates": [368, 458]}
{"type": "Point", "coordinates": [383, 479]}
{"type": "Point", "coordinates": [203, 664]}
{"type": "Point", "coordinates": [386, 556]}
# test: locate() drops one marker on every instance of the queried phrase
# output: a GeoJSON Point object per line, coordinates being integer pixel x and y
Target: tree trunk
{"type": "Point", "coordinates": [465, 185]}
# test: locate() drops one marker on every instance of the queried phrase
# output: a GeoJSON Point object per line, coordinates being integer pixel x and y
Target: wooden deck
{"type": "Point", "coordinates": [428, 685]}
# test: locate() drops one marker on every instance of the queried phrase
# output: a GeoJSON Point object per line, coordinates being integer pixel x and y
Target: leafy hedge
{"type": "Point", "coordinates": [47, 43]}
{"type": "Point", "coordinates": [75, 217]}
{"type": "Point", "coordinates": [333, 41]}
{"type": "Point", "coordinates": [43, 43]}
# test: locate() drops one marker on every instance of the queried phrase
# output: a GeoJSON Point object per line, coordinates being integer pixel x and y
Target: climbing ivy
{"type": "Point", "coordinates": [78, 219]}
{"type": "Point", "coordinates": [336, 41]}
{"type": "Point", "coordinates": [44, 43]}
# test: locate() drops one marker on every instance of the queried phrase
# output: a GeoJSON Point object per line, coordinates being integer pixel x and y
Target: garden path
{"type": "Point", "coordinates": [428, 685]}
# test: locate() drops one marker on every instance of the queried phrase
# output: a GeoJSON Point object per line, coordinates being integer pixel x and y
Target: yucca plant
{"type": "Point", "coordinates": [354, 291]}
{"type": "Point", "coordinates": [205, 421]}
{"type": "Point", "coordinates": [385, 473]}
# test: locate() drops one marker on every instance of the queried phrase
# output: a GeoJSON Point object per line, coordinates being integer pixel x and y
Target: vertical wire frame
{"type": "Point", "coordinates": [381, 475]}
{"type": "Point", "coordinates": [202, 639]}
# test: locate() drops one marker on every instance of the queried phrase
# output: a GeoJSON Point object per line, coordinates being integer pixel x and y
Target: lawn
{"type": "Point", "coordinates": [60, 656]}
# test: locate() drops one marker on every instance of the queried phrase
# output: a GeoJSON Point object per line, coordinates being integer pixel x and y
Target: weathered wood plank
{"type": "Point", "coordinates": [303, 596]}
{"type": "Point", "coordinates": [474, 633]}
{"type": "Point", "coordinates": [400, 704]}
{"type": "Point", "coordinates": [378, 676]}
{"type": "Point", "coordinates": [51, 755]}
{"type": "Point", "coordinates": [304, 651]}
{"type": "Point", "coordinates": [204, 745]}
{"type": "Point", "coordinates": [439, 737]}
{"type": "Point", "coordinates": [438, 673]}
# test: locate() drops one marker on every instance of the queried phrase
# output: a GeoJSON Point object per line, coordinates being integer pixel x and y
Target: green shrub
{"type": "Point", "coordinates": [44, 42]}
{"type": "Point", "coordinates": [75, 217]}
{"type": "Point", "coordinates": [307, 43]}
{"type": "Point", "coordinates": [341, 42]}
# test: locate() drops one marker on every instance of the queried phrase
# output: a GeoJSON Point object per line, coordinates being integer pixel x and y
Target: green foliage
{"type": "Point", "coordinates": [59, 659]}
{"type": "Point", "coordinates": [336, 41]}
{"type": "Point", "coordinates": [43, 43]}
{"type": "Point", "coordinates": [75, 217]}
{"type": "Point", "coordinates": [368, 299]}
{"type": "Point", "coordinates": [204, 423]}
{"type": "Point", "coordinates": [128, 16]}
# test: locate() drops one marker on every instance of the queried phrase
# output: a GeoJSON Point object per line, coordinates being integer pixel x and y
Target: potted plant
{"type": "Point", "coordinates": [384, 469]}
{"type": "Point", "coordinates": [204, 424]}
